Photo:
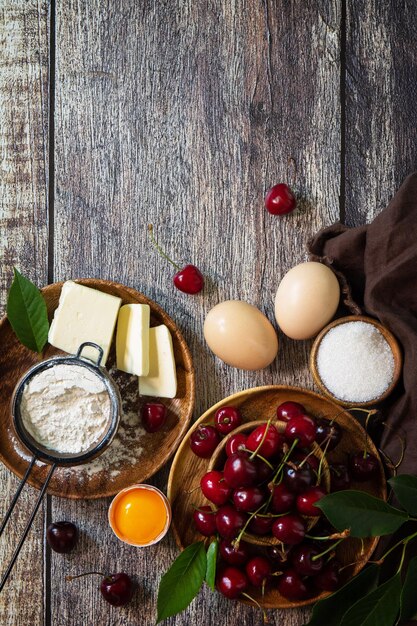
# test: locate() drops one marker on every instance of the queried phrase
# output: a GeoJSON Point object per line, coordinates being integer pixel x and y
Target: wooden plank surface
{"type": "Point", "coordinates": [24, 42]}
{"type": "Point", "coordinates": [180, 115]}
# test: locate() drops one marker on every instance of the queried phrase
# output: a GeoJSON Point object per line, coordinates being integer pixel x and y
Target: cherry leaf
{"type": "Point", "coordinates": [182, 582]}
{"type": "Point", "coordinates": [212, 552]}
{"type": "Point", "coordinates": [408, 601]}
{"type": "Point", "coordinates": [364, 515]}
{"type": "Point", "coordinates": [405, 489]}
{"type": "Point", "coordinates": [378, 608]}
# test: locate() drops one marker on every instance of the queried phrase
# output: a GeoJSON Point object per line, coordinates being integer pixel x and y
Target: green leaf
{"type": "Point", "coordinates": [26, 311]}
{"type": "Point", "coordinates": [212, 563]}
{"type": "Point", "coordinates": [330, 610]}
{"type": "Point", "coordinates": [378, 608]}
{"type": "Point", "coordinates": [364, 515]}
{"type": "Point", "coordinates": [408, 601]}
{"type": "Point", "coordinates": [405, 489]}
{"type": "Point", "coordinates": [182, 582]}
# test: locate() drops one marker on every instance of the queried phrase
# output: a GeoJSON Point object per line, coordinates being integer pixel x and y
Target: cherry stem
{"type": "Point", "coordinates": [329, 549]}
{"type": "Point", "coordinates": [255, 452]}
{"type": "Point", "coordinates": [70, 578]}
{"type": "Point", "coordinates": [259, 457]}
{"type": "Point", "coordinates": [246, 595]}
{"type": "Point", "coordinates": [158, 247]}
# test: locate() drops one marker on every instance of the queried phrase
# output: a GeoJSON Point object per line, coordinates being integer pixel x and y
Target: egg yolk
{"type": "Point", "coordinates": [140, 516]}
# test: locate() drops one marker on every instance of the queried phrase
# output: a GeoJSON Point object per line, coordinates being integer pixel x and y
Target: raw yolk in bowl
{"type": "Point", "coordinates": [140, 516]}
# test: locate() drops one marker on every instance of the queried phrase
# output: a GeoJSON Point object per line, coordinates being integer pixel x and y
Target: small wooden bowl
{"type": "Point", "coordinates": [218, 456]}
{"type": "Point", "coordinates": [388, 336]}
{"type": "Point", "coordinates": [260, 404]}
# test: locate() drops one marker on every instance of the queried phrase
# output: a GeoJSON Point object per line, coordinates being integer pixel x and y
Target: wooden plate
{"type": "Point", "coordinates": [260, 404]}
{"type": "Point", "coordinates": [134, 456]}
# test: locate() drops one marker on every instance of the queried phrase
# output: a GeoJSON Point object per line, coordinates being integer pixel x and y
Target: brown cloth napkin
{"type": "Point", "coordinates": [377, 267]}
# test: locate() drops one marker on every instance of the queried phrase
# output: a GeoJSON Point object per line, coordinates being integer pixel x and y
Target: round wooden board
{"type": "Point", "coordinates": [260, 404]}
{"type": "Point", "coordinates": [134, 455]}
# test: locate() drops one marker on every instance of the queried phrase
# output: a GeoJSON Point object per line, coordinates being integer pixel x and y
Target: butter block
{"type": "Point", "coordinates": [84, 314]}
{"type": "Point", "coordinates": [161, 380]}
{"type": "Point", "coordinates": [132, 339]}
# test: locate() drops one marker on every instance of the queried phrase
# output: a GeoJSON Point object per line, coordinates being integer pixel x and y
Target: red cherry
{"type": "Point", "coordinates": [282, 499]}
{"type": "Point", "coordinates": [261, 525]}
{"type": "Point", "coordinates": [306, 560]}
{"type": "Point", "coordinates": [229, 521]}
{"type": "Point", "coordinates": [306, 501]}
{"type": "Point", "coordinates": [363, 466]}
{"type": "Point", "coordinates": [214, 487]}
{"type": "Point", "coordinates": [288, 410]}
{"type": "Point", "coordinates": [227, 419]}
{"type": "Point", "coordinates": [234, 555]}
{"type": "Point", "coordinates": [329, 577]}
{"type": "Point", "coordinates": [270, 444]}
{"type": "Point", "coordinates": [240, 471]}
{"type": "Point", "coordinates": [204, 440]}
{"type": "Point", "coordinates": [339, 477]}
{"type": "Point", "coordinates": [292, 586]}
{"type": "Point", "coordinates": [205, 521]}
{"type": "Point", "coordinates": [231, 582]}
{"type": "Point", "coordinates": [154, 415]}
{"type": "Point", "coordinates": [258, 571]}
{"type": "Point", "coordinates": [189, 279]}
{"type": "Point", "coordinates": [289, 529]}
{"type": "Point", "coordinates": [280, 200]}
{"type": "Point", "coordinates": [302, 428]}
{"type": "Point", "coordinates": [235, 443]}
{"type": "Point", "coordinates": [249, 499]}
{"type": "Point", "coordinates": [117, 589]}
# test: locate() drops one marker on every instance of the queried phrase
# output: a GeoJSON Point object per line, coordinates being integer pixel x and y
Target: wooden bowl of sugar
{"type": "Point", "coordinates": [356, 361]}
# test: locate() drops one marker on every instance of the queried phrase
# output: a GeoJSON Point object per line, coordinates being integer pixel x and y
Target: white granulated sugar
{"type": "Point", "coordinates": [65, 408]}
{"type": "Point", "coordinates": [355, 362]}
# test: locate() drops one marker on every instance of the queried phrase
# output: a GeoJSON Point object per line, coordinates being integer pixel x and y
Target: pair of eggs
{"type": "Point", "coordinates": [306, 300]}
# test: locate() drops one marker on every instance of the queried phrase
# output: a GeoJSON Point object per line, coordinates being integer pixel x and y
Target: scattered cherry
{"type": "Point", "coordinates": [363, 466]}
{"type": "Point", "coordinates": [249, 499]}
{"type": "Point", "coordinates": [204, 440]}
{"type": "Point", "coordinates": [339, 477]}
{"type": "Point", "coordinates": [271, 440]}
{"type": "Point", "coordinates": [227, 419]}
{"type": "Point", "coordinates": [302, 428]}
{"type": "Point", "coordinates": [292, 586]}
{"type": "Point", "coordinates": [328, 434]}
{"type": "Point", "coordinates": [280, 200]}
{"type": "Point", "coordinates": [289, 529]}
{"type": "Point", "coordinates": [205, 520]}
{"type": "Point", "coordinates": [236, 443]}
{"type": "Point", "coordinates": [234, 555]}
{"type": "Point", "coordinates": [62, 536]}
{"type": "Point", "coordinates": [306, 501]}
{"type": "Point", "coordinates": [282, 499]}
{"type": "Point", "coordinates": [240, 471]}
{"type": "Point", "coordinates": [329, 577]}
{"type": "Point", "coordinates": [154, 415]}
{"type": "Point", "coordinates": [288, 410]}
{"type": "Point", "coordinates": [261, 524]}
{"type": "Point", "coordinates": [297, 478]}
{"type": "Point", "coordinates": [258, 571]}
{"type": "Point", "coordinates": [306, 560]}
{"type": "Point", "coordinates": [231, 582]}
{"type": "Point", "coordinates": [229, 521]}
{"type": "Point", "coordinates": [117, 589]}
{"type": "Point", "coordinates": [214, 487]}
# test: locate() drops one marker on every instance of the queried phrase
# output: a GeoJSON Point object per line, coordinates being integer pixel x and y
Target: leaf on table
{"type": "Point", "coordinates": [378, 608]}
{"type": "Point", "coordinates": [182, 582]}
{"type": "Point", "coordinates": [27, 314]}
{"type": "Point", "coordinates": [212, 564]}
{"type": "Point", "coordinates": [408, 600]}
{"type": "Point", "coordinates": [330, 610]}
{"type": "Point", "coordinates": [405, 489]}
{"type": "Point", "coordinates": [364, 515]}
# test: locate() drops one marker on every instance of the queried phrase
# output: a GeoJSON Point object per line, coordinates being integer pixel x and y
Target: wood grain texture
{"type": "Point", "coordinates": [182, 114]}
{"type": "Point", "coordinates": [24, 44]}
{"type": "Point", "coordinates": [381, 103]}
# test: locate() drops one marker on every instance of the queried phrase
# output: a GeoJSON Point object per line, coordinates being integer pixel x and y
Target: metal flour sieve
{"type": "Point", "coordinates": [52, 457]}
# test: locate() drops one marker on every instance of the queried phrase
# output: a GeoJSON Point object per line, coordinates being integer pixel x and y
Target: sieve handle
{"type": "Point", "coordinates": [30, 521]}
{"type": "Point", "coordinates": [91, 344]}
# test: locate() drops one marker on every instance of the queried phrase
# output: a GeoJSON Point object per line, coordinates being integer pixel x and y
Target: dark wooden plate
{"type": "Point", "coordinates": [260, 404]}
{"type": "Point", "coordinates": [134, 456]}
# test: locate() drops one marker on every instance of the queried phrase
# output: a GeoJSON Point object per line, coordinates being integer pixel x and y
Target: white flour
{"type": "Point", "coordinates": [65, 408]}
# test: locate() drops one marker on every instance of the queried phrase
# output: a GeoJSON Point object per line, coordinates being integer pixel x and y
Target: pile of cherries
{"type": "Point", "coordinates": [268, 486]}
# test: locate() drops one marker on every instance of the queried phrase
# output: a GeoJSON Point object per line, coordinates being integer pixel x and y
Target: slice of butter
{"type": "Point", "coordinates": [84, 314]}
{"type": "Point", "coordinates": [162, 378]}
{"type": "Point", "coordinates": [132, 339]}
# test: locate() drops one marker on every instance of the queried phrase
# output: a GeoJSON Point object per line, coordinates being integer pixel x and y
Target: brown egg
{"type": "Point", "coordinates": [306, 300]}
{"type": "Point", "coordinates": [240, 335]}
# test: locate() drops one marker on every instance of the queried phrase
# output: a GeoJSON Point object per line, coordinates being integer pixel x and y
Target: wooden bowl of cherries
{"type": "Point", "coordinates": [250, 472]}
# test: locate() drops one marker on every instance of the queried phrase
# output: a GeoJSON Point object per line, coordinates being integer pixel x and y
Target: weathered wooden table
{"type": "Point", "coordinates": [181, 113]}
